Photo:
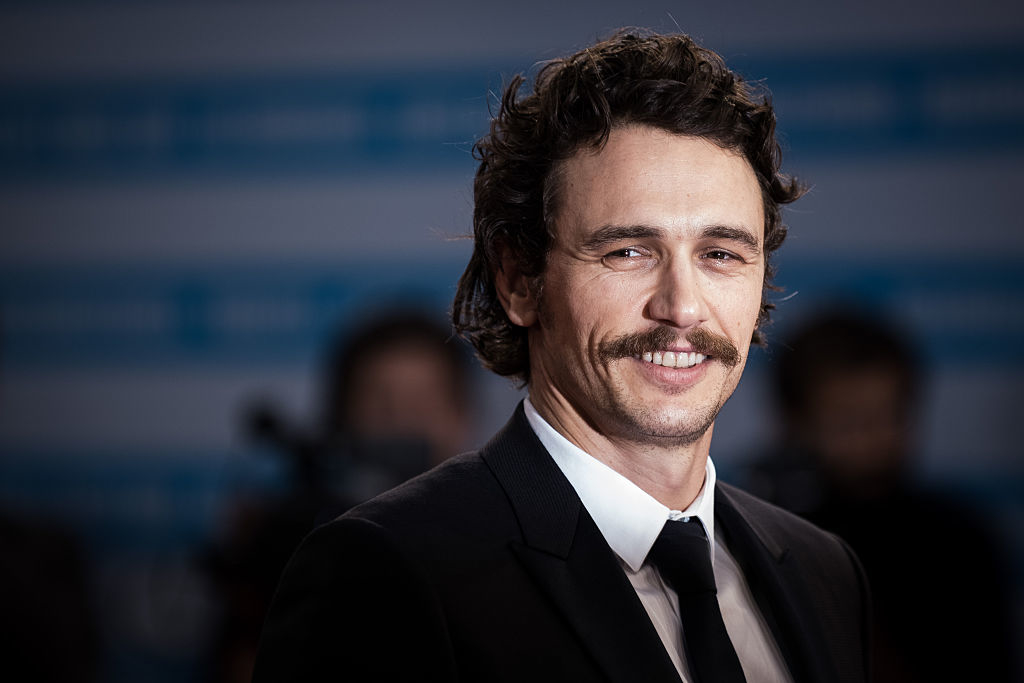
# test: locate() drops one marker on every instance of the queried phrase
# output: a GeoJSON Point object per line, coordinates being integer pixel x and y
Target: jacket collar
{"type": "Point", "coordinates": [565, 553]}
{"type": "Point", "coordinates": [778, 582]}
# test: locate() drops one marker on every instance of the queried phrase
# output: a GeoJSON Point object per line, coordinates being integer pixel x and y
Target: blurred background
{"type": "Point", "coordinates": [207, 208]}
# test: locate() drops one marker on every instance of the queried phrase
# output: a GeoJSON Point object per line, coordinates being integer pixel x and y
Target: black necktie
{"type": "Point", "coordinates": [683, 559]}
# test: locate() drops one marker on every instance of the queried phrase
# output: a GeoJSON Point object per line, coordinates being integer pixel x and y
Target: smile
{"type": "Point", "coordinates": [672, 359]}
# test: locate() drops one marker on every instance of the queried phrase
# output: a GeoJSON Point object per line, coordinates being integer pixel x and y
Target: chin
{"type": "Point", "coordinates": [669, 428]}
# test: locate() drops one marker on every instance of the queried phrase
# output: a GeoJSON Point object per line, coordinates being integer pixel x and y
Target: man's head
{"type": "Point", "coordinates": [849, 385]}
{"type": "Point", "coordinates": [663, 82]}
{"type": "Point", "coordinates": [399, 377]}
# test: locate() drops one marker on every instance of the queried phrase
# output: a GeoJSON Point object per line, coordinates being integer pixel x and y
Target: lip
{"type": "Point", "coordinates": [673, 377]}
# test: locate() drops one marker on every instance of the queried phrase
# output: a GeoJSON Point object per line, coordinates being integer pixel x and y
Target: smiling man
{"type": "Point", "coordinates": [656, 259]}
{"type": "Point", "coordinates": [625, 213]}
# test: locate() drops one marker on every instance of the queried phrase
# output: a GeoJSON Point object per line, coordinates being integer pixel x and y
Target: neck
{"type": "Point", "coordinates": [669, 471]}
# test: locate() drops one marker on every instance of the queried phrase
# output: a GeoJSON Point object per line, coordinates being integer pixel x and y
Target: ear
{"type": "Point", "coordinates": [515, 292]}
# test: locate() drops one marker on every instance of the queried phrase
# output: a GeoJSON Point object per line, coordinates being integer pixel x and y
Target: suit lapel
{"type": "Point", "coordinates": [565, 553]}
{"type": "Point", "coordinates": [780, 588]}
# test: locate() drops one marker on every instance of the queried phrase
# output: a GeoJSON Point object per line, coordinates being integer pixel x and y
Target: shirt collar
{"type": "Point", "coordinates": [628, 517]}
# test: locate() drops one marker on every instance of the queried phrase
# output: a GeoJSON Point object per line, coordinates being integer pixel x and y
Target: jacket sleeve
{"type": "Point", "coordinates": [352, 606]}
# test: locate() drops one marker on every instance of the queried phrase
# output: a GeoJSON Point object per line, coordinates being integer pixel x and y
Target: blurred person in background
{"type": "Point", "coordinates": [849, 388]}
{"type": "Point", "coordinates": [48, 627]}
{"type": "Point", "coordinates": [395, 400]}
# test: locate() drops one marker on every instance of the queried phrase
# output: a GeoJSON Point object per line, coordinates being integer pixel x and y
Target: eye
{"type": "Point", "coordinates": [626, 258]}
{"type": "Point", "coordinates": [626, 253]}
{"type": "Point", "coordinates": [720, 255]}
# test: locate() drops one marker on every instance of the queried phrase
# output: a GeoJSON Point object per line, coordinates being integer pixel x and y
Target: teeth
{"type": "Point", "coordinates": [671, 359]}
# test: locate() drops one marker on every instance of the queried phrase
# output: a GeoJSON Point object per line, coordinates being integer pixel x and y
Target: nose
{"type": "Point", "coordinates": [677, 299]}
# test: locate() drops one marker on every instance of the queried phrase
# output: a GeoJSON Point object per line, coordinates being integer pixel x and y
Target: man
{"type": "Point", "coordinates": [625, 211]}
{"type": "Point", "coordinates": [849, 385]}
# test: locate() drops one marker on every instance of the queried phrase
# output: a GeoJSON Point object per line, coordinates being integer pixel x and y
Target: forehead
{"type": "Point", "coordinates": [646, 176]}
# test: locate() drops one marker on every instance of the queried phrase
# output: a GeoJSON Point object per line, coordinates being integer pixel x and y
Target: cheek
{"type": "Point", "coordinates": [754, 303]}
{"type": "Point", "coordinates": [739, 307]}
{"type": "Point", "coordinates": [604, 301]}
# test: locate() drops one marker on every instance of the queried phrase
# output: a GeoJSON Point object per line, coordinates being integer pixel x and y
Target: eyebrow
{"type": "Point", "coordinates": [610, 234]}
{"type": "Point", "coordinates": [728, 232]}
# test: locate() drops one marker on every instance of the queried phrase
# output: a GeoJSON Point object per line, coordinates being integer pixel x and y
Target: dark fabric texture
{"type": "Point", "coordinates": [489, 568]}
{"type": "Point", "coordinates": [682, 556]}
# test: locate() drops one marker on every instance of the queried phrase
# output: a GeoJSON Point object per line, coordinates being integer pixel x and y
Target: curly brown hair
{"type": "Point", "coordinates": [664, 81]}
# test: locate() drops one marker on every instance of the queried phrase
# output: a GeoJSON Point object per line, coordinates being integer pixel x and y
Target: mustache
{"type": "Point", "coordinates": [659, 338]}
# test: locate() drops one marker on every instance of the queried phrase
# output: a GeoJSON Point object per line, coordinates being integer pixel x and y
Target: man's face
{"type": "Point", "coordinates": [408, 391]}
{"type": "Point", "coordinates": [858, 422]}
{"type": "Point", "coordinates": [657, 254]}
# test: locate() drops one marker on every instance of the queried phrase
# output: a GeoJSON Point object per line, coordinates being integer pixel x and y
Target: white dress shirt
{"type": "Point", "coordinates": [630, 521]}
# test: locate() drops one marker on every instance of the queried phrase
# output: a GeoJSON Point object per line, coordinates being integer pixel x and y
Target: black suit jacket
{"type": "Point", "coordinates": [489, 568]}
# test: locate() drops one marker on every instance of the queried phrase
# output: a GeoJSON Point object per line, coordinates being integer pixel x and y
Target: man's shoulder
{"type": "Point", "coordinates": [762, 510]}
{"type": "Point", "coordinates": [451, 488]}
{"type": "Point", "coordinates": [778, 528]}
{"type": "Point", "coordinates": [458, 504]}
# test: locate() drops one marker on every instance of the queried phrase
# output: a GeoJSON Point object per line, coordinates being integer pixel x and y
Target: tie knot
{"type": "Point", "coordinates": [682, 557]}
